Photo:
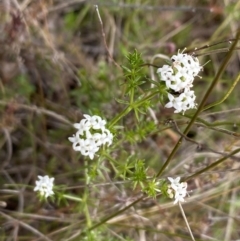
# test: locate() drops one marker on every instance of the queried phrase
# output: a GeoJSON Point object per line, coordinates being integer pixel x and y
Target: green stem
{"type": "Point", "coordinates": [212, 165]}
{"type": "Point", "coordinates": [85, 196]}
{"type": "Point", "coordinates": [225, 97]}
{"type": "Point", "coordinates": [215, 80]}
{"type": "Point", "coordinates": [111, 161]}
{"type": "Point", "coordinates": [120, 116]}
{"type": "Point", "coordinates": [104, 220]}
{"type": "Point", "coordinates": [131, 107]}
{"type": "Point", "coordinates": [150, 96]}
{"type": "Point", "coordinates": [86, 211]}
{"type": "Point", "coordinates": [73, 198]}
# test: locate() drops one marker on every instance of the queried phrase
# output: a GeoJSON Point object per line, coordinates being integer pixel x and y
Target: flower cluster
{"type": "Point", "coordinates": [44, 185]}
{"type": "Point", "coordinates": [177, 190]}
{"type": "Point", "coordinates": [91, 134]}
{"type": "Point", "coordinates": [179, 79]}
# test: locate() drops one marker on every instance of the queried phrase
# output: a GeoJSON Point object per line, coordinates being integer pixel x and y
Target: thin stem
{"type": "Point", "coordinates": [210, 89]}
{"type": "Point", "coordinates": [111, 161]}
{"type": "Point", "coordinates": [140, 102]}
{"type": "Point", "coordinates": [104, 220]}
{"type": "Point", "coordinates": [104, 37]}
{"type": "Point", "coordinates": [9, 147]}
{"type": "Point", "coordinates": [225, 97]}
{"type": "Point", "coordinates": [210, 45]}
{"type": "Point", "coordinates": [185, 219]}
{"type": "Point", "coordinates": [73, 198]}
{"type": "Point", "coordinates": [131, 107]}
{"type": "Point", "coordinates": [201, 147]}
{"type": "Point", "coordinates": [120, 116]}
{"type": "Point", "coordinates": [212, 165]}
{"type": "Point", "coordinates": [85, 196]}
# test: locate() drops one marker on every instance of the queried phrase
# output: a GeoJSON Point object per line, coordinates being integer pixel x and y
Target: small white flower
{"type": "Point", "coordinates": [177, 190]}
{"type": "Point", "coordinates": [174, 182]}
{"type": "Point", "coordinates": [188, 62]}
{"type": "Point", "coordinates": [82, 126]}
{"type": "Point", "coordinates": [107, 137]}
{"type": "Point", "coordinates": [92, 149]}
{"type": "Point", "coordinates": [174, 83]}
{"type": "Point", "coordinates": [183, 102]}
{"type": "Point", "coordinates": [185, 78]}
{"type": "Point", "coordinates": [179, 77]}
{"type": "Point", "coordinates": [73, 138]}
{"type": "Point", "coordinates": [181, 73]}
{"type": "Point", "coordinates": [174, 102]}
{"type": "Point", "coordinates": [189, 99]}
{"type": "Point", "coordinates": [165, 72]}
{"type": "Point", "coordinates": [95, 122]}
{"type": "Point", "coordinates": [44, 185]}
{"type": "Point", "coordinates": [91, 134]}
{"type": "Point", "coordinates": [89, 148]}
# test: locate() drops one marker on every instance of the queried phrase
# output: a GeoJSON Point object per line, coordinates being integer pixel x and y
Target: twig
{"type": "Point", "coordinates": [230, 155]}
{"type": "Point", "coordinates": [160, 56]}
{"type": "Point", "coordinates": [106, 219]}
{"type": "Point", "coordinates": [225, 96]}
{"type": "Point", "coordinates": [104, 37]}
{"type": "Point", "coordinates": [232, 211]}
{"type": "Point", "coordinates": [142, 7]}
{"type": "Point", "coordinates": [231, 133]}
{"type": "Point", "coordinates": [221, 112]}
{"type": "Point", "coordinates": [9, 147]}
{"type": "Point", "coordinates": [185, 219]}
{"type": "Point", "coordinates": [26, 226]}
{"type": "Point", "coordinates": [25, 4]}
{"type": "Point", "coordinates": [39, 110]}
{"type": "Point", "coordinates": [158, 8]}
{"type": "Point", "coordinates": [61, 6]}
{"type": "Point", "coordinates": [196, 49]}
{"type": "Point", "coordinates": [200, 146]}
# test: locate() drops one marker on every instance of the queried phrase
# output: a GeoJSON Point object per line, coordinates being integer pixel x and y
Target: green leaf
{"type": "Point", "coordinates": [122, 101]}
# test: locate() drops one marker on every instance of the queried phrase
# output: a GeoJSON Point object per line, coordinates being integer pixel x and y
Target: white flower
{"type": "Point", "coordinates": [165, 72]}
{"type": "Point", "coordinates": [91, 134]}
{"type": "Point", "coordinates": [44, 185]}
{"type": "Point", "coordinates": [179, 77]}
{"type": "Point", "coordinates": [95, 122]}
{"type": "Point", "coordinates": [181, 73]}
{"type": "Point", "coordinates": [107, 137]}
{"type": "Point", "coordinates": [174, 102]}
{"type": "Point", "coordinates": [177, 190]}
{"type": "Point", "coordinates": [82, 126]}
{"type": "Point", "coordinates": [73, 139]}
{"type": "Point", "coordinates": [175, 83]}
{"type": "Point", "coordinates": [183, 102]}
{"type": "Point", "coordinates": [89, 148]}
{"type": "Point", "coordinates": [190, 63]}
{"type": "Point", "coordinates": [188, 98]}
{"type": "Point", "coordinates": [185, 77]}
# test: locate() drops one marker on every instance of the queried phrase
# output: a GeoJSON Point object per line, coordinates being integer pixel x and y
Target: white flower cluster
{"type": "Point", "coordinates": [177, 190]}
{"type": "Point", "coordinates": [179, 77]}
{"type": "Point", "coordinates": [91, 134]}
{"type": "Point", "coordinates": [44, 185]}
